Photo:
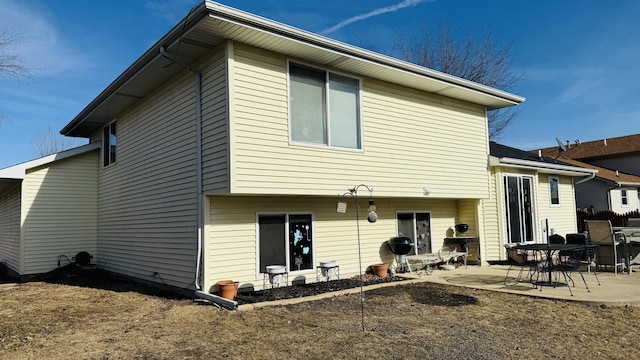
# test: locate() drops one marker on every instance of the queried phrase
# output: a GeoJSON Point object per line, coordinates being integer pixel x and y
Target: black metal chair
{"type": "Point", "coordinates": [568, 262]}
{"type": "Point", "coordinates": [588, 258]}
{"type": "Point", "coordinates": [522, 259]}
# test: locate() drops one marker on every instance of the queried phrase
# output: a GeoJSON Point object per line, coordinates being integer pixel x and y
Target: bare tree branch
{"type": "Point", "coordinates": [11, 65]}
{"type": "Point", "coordinates": [483, 61]}
{"type": "Point", "coordinates": [49, 142]}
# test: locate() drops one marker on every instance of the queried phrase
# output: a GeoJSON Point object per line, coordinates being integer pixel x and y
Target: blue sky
{"type": "Point", "coordinates": [579, 59]}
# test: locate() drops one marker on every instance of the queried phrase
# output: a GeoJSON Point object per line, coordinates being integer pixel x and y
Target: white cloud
{"type": "Point", "coordinates": [43, 52]}
{"type": "Point", "coordinates": [401, 5]}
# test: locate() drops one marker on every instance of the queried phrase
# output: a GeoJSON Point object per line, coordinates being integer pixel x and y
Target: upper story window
{"type": "Point", "coordinates": [554, 191]}
{"type": "Point", "coordinates": [624, 198]}
{"type": "Point", "coordinates": [109, 144]}
{"type": "Point", "coordinates": [324, 108]}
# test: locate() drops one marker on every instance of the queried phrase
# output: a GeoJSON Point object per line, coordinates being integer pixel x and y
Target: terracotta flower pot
{"type": "Point", "coordinates": [380, 269]}
{"type": "Point", "coordinates": [228, 289]}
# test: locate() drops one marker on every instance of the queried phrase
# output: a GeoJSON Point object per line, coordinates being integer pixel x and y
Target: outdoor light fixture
{"type": "Point", "coordinates": [372, 217]}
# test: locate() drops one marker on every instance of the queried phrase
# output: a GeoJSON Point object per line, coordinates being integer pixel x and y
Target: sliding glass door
{"type": "Point", "coordinates": [519, 208]}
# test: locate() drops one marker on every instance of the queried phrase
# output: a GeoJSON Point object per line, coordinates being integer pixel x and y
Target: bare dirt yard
{"type": "Point", "coordinates": [113, 319]}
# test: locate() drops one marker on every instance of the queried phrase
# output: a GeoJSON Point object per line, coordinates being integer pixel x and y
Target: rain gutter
{"type": "Point", "coordinates": [536, 165]}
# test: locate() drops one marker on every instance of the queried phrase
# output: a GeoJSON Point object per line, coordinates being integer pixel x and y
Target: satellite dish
{"type": "Point", "coordinates": [563, 147]}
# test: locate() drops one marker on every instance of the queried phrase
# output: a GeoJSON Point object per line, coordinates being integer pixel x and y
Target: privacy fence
{"type": "Point", "coordinates": [615, 218]}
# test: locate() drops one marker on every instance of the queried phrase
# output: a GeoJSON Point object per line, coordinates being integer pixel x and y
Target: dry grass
{"type": "Point", "coordinates": [41, 320]}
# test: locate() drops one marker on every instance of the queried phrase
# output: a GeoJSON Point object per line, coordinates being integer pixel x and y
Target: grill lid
{"type": "Point", "coordinates": [400, 245]}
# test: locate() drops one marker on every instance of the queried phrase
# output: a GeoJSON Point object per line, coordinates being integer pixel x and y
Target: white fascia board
{"type": "Point", "coordinates": [225, 13]}
{"type": "Point", "coordinates": [630, 184]}
{"type": "Point", "coordinates": [535, 165]}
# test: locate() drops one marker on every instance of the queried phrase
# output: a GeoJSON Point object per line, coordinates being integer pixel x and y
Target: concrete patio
{"type": "Point", "coordinates": [620, 289]}
{"type": "Point", "coordinates": [615, 290]}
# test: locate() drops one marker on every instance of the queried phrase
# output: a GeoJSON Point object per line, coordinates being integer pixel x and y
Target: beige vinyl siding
{"type": "Point", "coordinates": [468, 214]}
{"type": "Point", "coordinates": [59, 212]}
{"type": "Point", "coordinates": [231, 241]}
{"type": "Point", "coordinates": [215, 142]}
{"type": "Point", "coordinates": [147, 199]}
{"type": "Point", "coordinates": [10, 227]}
{"type": "Point", "coordinates": [493, 240]}
{"type": "Point", "coordinates": [411, 140]}
{"type": "Point", "coordinates": [562, 219]}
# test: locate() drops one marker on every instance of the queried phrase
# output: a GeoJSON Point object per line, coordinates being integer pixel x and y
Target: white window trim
{"type": "Point", "coordinates": [327, 72]}
{"type": "Point", "coordinates": [625, 196]}
{"type": "Point", "coordinates": [551, 204]}
{"type": "Point", "coordinates": [260, 275]}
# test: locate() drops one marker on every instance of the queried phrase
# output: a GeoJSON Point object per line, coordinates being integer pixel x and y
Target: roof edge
{"type": "Point", "coordinates": [18, 171]}
{"type": "Point", "coordinates": [237, 15]}
{"type": "Point", "coordinates": [211, 8]}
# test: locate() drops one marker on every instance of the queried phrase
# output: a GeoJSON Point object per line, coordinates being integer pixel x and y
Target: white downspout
{"type": "Point", "coordinates": [200, 213]}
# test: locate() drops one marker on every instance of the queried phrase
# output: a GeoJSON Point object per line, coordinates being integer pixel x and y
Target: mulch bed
{"type": "Point", "coordinates": [304, 290]}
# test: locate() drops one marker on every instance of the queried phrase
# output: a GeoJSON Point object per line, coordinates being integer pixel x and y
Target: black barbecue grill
{"type": "Point", "coordinates": [400, 246]}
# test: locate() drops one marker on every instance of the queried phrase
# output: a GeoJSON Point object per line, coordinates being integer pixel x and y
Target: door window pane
{"type": "Point", "coordinates": [519, 206]}
{"type": "Point", "coordinates": [300, 250]}
{"type": "Point", "coordinates": [416, 226]}
{"type": "Point", "coordinates": [272, 246]}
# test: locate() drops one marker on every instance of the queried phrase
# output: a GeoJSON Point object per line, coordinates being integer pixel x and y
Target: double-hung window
{"type": "Point", "coordinates": [109, 144]}
{"type": "Point", "coordinates": [324, 108]}
{"type": "Point", "coordinates": [285, 239]}
{"type": "Point", "coordinates": [623, 197]}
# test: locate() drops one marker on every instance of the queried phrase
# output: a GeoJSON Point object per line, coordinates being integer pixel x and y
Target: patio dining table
{"type": "Point", "coordinates": [547, 252]}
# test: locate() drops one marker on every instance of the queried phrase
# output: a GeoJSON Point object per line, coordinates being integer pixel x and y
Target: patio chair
{"type": "Point", "coordinates": [610, 245]}
{"type": "Point", "coordinates": [589, 255]}
{"type": "Point", "coordinates": [523, 259]}
{"type": "Point", "coordinates": [570, 261]}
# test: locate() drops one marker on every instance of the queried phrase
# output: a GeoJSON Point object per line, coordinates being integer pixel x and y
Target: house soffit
{"type": "Point", "coordinates": [210, 24]}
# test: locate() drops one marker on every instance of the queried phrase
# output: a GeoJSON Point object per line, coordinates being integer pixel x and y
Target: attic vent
{"type": "Point", "coordinates": [605, 142]}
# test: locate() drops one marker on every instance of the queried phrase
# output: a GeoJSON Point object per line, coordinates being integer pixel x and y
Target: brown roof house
{"type": "Point", "coordinates": [616, 185]}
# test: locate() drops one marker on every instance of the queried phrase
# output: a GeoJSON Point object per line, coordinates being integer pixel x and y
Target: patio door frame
{"type": "Point", "coordinates": [519, 208]}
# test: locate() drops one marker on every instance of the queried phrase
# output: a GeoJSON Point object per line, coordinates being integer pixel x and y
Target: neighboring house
{"type": "Point", "coordinates": [528, 191]}
{"type": "Point", "coordinates": [609, 190]}
{"type": "Point", "coordinates": [226, 146]}
{"type": "Point", "coordinates": [616, 186]}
